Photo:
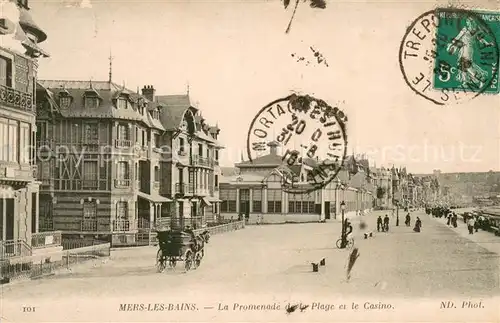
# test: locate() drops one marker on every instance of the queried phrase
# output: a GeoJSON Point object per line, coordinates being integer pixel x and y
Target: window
{"type": "Point", "coordinates": [122, 210]}
{"type": "Point", "coordinates": [91, 102]}
{"type": "Point", "coordinates": [200, 150]}
{"type": "Point", "coordinates": [89, 210]}
{"type": "Point", "coordinates": [9, 140]}
{"type": "Point", "coordinates": [274, 201]}
{"type": "Point", "coordinates": [216, 155]}
{"type": "Point", "coordinates": [257, 200]}
{"type": "Point", "coordinates": [143, 138]}
{"type": "Point", "coordinates": [122, 170]}
{"type": "Point", "coordinates": [301, 203]}
{"type": "Point", "coordinates": [64, 102]}
{"type": "Point", "coordinates": [5, 71]}
{"type": "Point", "coordinates": [122, 103]}
{"type": "Point", "coordinates": [24, 143]}
{"type": "Point", "coordinates": [122, 216]}
{"type": "Point", "coordinates": [123, 133]}
{"type": "Point", "coordinates": [89, 174]}
{"type": "Point", "coordinates": [91, 133]}
{"type": "Point", "coordinates": [157, 174]}
{"type": "Point", "coordinates": [216, 180]}
{"type": "Point", "coordinates": [228, 197]}
{"type": "Point", "coordinates": [157, 140]}
{"type": "Point", "coordinates": [181, 145]}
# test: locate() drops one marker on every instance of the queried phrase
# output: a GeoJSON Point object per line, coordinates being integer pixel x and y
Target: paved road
{"type": "Point", "coordinates": [275, 260]}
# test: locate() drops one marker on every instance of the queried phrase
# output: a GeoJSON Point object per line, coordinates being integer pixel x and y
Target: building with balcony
{"type": "Point", "coordinates": [115, 164]}
{"type": "Point", "coordinates": [19, 49]}
{"type": "Point", "coordinates": [190, 171]}
{"type": "Point", "coordinates": [99, 160]}
{"type": "Point", "coordinates": [257, 191]}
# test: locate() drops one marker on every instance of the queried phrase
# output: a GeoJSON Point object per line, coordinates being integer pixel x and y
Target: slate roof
{"type": "Point", "coordinates": [106, 91]}
{"type": "Point", "coordinates": [266, 160]}
{"type": "Point", "coordinates": [176, 105]}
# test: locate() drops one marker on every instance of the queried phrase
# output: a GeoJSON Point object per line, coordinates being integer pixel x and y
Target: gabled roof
{"type": "Point", "coordinates": [175, 108]}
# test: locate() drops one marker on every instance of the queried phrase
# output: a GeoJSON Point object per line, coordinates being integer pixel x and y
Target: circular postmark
{"type": "Point", "coordinates": [311, 137]}
{"type": "Point", "coordinates": [450, 55]}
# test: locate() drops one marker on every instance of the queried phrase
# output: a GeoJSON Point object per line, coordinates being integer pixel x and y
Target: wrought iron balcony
{"type": "Point", "coordinates": [181, 188]}
{"type": "Point", "coordinates": [16, 99]}
{"type": "Point", "coordinates": [122, 183]}
{"type": "Point", "coordinates": [123, 143]}
{"type": "Point", "coordinates": [123, 225]}
{"type": "Point", "coordinates": [201, 161]}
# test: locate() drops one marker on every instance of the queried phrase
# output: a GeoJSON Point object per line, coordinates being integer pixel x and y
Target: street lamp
{"type": "Point", "coordinates": [397, 213]}
{"type": "Point", "coordinates": [343, 237]}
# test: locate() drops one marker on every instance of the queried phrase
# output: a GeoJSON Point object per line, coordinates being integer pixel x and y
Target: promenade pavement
{"type": "Point", "coordinates": [276, 260]}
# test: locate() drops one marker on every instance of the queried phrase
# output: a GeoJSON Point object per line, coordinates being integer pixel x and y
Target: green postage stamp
{"type": "Point", "coordinates": [466, 46]}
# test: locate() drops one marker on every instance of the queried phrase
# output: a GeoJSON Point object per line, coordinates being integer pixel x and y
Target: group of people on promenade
{"type": "Point", "coordinates": [473, 220]}
{"type": "Point", "coordinates": [383, 224]}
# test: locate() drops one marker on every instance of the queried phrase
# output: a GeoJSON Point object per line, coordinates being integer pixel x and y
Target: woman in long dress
{"type": "Point", "coordinates": [418, 225]}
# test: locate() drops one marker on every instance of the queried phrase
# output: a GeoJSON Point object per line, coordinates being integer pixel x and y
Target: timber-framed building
{"type": "Point", "coordinates": [115, 163]}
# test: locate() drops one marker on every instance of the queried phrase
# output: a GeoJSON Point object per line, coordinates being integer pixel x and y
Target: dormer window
{"type": "Point", "coordinates": [91, 102]}
{"type": "Point", "coordinates": [122, 103]}
{"type": "Point", "coordinates": [64, 101]}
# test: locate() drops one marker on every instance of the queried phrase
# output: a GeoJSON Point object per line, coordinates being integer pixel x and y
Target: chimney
{"type": "Point", "coordinates": [273, 145]}
{"type": "Point", "coordinates": [149, 92]}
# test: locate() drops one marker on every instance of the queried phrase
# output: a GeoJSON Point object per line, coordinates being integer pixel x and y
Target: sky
{"type": "Point", "coordinates": [236, 58]}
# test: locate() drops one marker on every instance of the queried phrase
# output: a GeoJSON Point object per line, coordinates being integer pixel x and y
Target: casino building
{"type": "Point", "coordinates": [256, 191]}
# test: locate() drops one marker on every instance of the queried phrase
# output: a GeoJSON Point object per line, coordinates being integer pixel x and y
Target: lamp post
{"type": "Point", "coordinates": [343, 237]}
{"type": "Point", "coordinates": [397, 213]}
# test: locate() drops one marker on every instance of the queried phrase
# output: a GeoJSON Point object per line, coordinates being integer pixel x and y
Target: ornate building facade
{"type": "Point", "coordinates": [19, 50]}
{"type": "Point", "coordinates": [134, 160]}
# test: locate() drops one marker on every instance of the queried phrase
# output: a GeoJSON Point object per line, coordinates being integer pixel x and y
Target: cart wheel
{"type": "Point", "coordinates": [188, 259]}
{"type": "Point", "coordinates": [339, 243]}
{"type": "Point", "coordinates": [172, 262]}
{"type": "Point", "coordinates": [160, 261]}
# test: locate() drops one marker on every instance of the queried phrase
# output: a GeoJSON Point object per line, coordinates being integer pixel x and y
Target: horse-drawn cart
{"type": "Point", "coordinates": [176, 245]}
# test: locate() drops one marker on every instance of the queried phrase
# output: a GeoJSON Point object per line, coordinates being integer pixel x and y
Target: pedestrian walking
{"type": "Point", "coordinates": [477, 224]}
{"type": "Point", "coordinates": [448, 217]}
{"type": "Point", "coordinates": [386, 223]}
{"type": "Point", "coordinates": [418, 225]}
{"type": "Point", "coordinates": [470, 224]}
{"type": "Point", "coordinates": [379, 224]}
{"type": "Point", "coordinates": [408, 220]}
{"type": "Point", "coordinates": [454, 220]}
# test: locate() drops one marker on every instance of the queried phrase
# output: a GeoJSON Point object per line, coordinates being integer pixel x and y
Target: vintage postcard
{"type": "Point", "coordinates": [249, 161]}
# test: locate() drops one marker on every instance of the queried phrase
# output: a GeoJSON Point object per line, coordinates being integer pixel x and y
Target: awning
{"type": "Point", "coordinates": [206, 201]}
{"type": "Point", "coordinates": [153, 197]}
{"type": "Point", "coordinates": [213, 199]}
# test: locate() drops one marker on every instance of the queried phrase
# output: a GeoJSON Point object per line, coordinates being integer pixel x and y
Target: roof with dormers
{"type": "Point", "coordinates": [107, 92]}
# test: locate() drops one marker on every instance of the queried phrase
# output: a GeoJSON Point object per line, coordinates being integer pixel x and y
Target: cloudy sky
{"type": "Point", "coordinates": [237, 58]}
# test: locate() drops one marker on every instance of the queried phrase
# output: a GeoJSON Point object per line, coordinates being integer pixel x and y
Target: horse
{"type": "Point", "coordinates": [200, 240]}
